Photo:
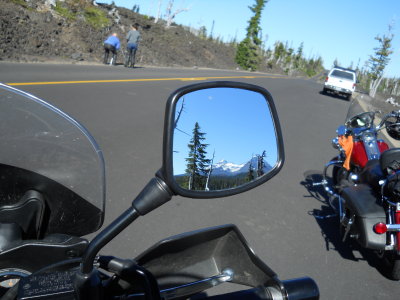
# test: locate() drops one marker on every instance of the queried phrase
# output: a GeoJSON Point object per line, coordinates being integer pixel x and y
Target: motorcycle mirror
{"type": "Point", "coordinates": [221, 138]}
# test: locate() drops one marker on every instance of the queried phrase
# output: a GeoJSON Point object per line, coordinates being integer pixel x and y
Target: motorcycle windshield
{"type": "Point", "coordinates": [43, 149]}
{"type": "Point", "coordinates": [360, 116]}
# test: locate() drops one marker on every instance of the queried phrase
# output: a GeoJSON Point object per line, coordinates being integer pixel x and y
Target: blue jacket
{"type": "Point", "coordinates": [113, 40]}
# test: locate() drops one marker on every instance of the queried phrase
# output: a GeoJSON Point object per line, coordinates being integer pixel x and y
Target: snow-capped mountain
{"type": "Point", "coordinates": [230, 169]}
{"type": "Point", "coordinates": [224, 166]}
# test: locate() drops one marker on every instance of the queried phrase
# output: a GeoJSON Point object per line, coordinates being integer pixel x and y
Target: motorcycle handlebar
{"type": "Point", "coordinates": [303, 288]}
{"type": "Point", "coordinates": [394, 114]}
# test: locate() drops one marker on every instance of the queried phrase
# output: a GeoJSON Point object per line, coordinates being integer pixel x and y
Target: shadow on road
{"type": "Point", "coordinates": [118, 64]}
{"type": "Point", "coordinates": [328, 221]}
{"type": "Point", "coordinates": [326, 217]}
{"type": "Point", "coordinates": [331, 95]}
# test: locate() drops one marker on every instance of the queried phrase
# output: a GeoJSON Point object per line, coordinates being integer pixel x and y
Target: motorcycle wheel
{"type": "Point", "coordinates": [390, 263]}
{"type": "Point", "coordinates": [395, 270]}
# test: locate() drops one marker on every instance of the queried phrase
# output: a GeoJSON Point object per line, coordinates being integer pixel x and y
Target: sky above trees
{"type": "Point", "coordinates": [236, 124]}
{"type": "Point", "coordinates": [342, 30]}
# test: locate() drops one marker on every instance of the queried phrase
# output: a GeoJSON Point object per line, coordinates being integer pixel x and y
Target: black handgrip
{"type": "Point", "coordinates": [303, 288]}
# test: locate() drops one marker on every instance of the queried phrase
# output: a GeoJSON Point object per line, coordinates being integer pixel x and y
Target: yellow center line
{"type": "Point", "coordinates": [137, 80]}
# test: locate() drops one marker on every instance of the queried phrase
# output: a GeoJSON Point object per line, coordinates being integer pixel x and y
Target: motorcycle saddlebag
{"type": "Point", "coordinates": [363, 203]}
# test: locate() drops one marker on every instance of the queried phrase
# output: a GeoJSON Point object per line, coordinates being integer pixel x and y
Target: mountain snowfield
{"type": "Point", "coordinates": [226, 168]}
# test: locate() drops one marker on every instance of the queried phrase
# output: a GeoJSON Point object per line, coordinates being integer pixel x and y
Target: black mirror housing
{"type": "Point", "coordinates": [170, 124]}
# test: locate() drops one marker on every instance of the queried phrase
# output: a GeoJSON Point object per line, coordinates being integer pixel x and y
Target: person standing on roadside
{"type": "Point", "coordinates": [132, 39]}
{"type": "Point", "coordinates": [111, 44]}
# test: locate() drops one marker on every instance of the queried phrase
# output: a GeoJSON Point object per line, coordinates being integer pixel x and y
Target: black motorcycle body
{"type": "Point", "coordinates": [360, 193]}
{"type": "Point", "coordinates": [52, 192]}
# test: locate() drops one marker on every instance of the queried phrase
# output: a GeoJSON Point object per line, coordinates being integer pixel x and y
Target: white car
{"type": "Point", "coordinates": [340, 81]}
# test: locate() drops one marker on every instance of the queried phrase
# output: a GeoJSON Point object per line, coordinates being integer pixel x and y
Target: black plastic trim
{"type": "Point", "coordinates": [215, 248]}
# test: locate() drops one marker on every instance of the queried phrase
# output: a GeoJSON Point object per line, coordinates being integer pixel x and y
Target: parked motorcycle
{"type": "Point", "coordinates": [52, 191]}
{"type": "Point", "coordinates": [362, 183]}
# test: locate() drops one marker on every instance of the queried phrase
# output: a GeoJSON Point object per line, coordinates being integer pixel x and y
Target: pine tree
{"type": "Point", "coordinates": [260, 164]}
{"type": "Point", "coordinates": [378, 61]}
{"type": "Point", "coordinates": [249, 50]}
{"type": "Point", "coordinates": [136, 8]}
{"type": "Point", "coordinates": [197, 164]}
{"type": "Point", "coordinates": [336, 63]}
{"type": "Point", "coordinates": [250, 173]}
{"type": "Point", "coordinates": [203, 32]}
{"type": "Point", "coordinates": [299, 56]}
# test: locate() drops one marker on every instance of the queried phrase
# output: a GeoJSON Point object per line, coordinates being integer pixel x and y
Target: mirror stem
{"type": "Point", "coordinates": [106, 236]}
{"type": "Point", "coordinates": [154, 194]}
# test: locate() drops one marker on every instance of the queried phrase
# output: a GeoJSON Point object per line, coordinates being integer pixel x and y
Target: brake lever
{"type": "Point", "coordinates": [129, 271]}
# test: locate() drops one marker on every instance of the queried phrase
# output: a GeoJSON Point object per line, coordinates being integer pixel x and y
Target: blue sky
{"type": "Point", "coordinates": [340, 29]}
{"type": "Point", "coordinates": [237, 124]}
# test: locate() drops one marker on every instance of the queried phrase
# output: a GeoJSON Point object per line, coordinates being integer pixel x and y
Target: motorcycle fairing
{"type": "Point", "coordinates": [74, 217]}
{"type": "Point", "coordinates": [205, 253]}
{"type": "Point", "coordinates": [359, 116]}
{"type": "Point", "coordinates": [44, 149]}
{"type": "Point", "coordinates": [362, 202]}
{"type": "Point", "coordinates": [32, 255]}
{"type": "Point", "coordinates": [28, 213]}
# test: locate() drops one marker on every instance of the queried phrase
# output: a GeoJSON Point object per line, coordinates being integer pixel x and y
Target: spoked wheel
{"type": "Point", "coordinates": [390, 263]}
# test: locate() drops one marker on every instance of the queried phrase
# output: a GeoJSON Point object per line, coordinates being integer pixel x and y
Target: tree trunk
{"type": "Point", "coordinates": [158, 12]}
{"type": "Point", "coordinates": [394, 92]}
{"type": "Point", "coordinates": [171, 16]}
{"type": "Point", "coordinates": [374, 86]}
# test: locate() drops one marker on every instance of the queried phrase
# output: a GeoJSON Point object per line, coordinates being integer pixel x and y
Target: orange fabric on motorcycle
{"type": "Point", "coordinates": [347, 144]}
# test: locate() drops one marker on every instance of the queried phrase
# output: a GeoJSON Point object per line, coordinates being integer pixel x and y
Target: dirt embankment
{"type": "Point", "coordinates": [32, 30]}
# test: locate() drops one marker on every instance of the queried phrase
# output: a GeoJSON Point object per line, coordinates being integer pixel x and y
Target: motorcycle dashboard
{"type": "Point", "coordinates": [44, 149]}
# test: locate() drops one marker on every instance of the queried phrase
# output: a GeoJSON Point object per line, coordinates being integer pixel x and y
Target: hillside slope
{"type": "Point", "coordinates": [32, 30]}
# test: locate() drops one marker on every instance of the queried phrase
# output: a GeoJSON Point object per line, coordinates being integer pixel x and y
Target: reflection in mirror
{"type": "Point", "coordinates": [223, 138]}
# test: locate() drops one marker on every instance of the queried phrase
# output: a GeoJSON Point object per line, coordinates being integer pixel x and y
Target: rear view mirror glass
{"type": "Point", "coordinates": [223, 138]}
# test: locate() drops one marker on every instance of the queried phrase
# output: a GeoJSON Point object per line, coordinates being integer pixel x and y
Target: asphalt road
{"type": "Point", "coordinates": [125, 114]}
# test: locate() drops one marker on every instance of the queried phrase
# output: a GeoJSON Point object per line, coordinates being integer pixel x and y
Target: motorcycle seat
{"type": "Point", "coordinates": [372, 173]}
{"type": "Point", "coordinates": [363, 201]}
